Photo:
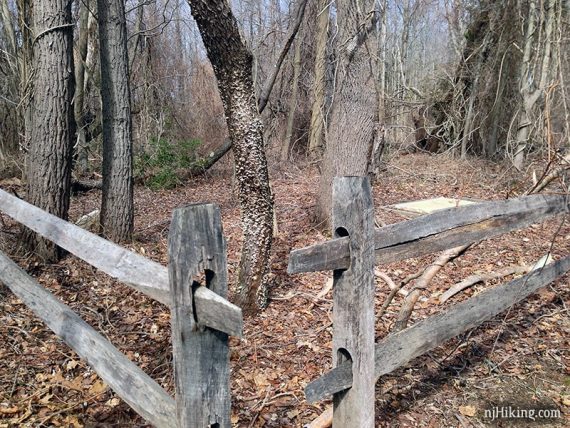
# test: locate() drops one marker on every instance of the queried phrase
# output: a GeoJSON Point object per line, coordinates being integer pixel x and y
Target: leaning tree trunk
{"type": "Point", "coordinates": [353, 118]}
{"type": "Point", "coordinates": [52, 130]}
{"type": "Point", "coordinates": [232, 63]}
{"type": "Point", "coordinates": [286, 147]}
{"type": "Point", "coordinates": [117, 203]}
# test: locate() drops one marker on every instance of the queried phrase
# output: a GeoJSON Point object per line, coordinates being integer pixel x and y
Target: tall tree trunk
{"type": "Point", "coordinates": [294, 99]}
{"type": "Point", "coordinates": [380, 134]}
{"type": "Point", "coordinates": [25, 22]}
{"type": "Point", "coordinates": [9, 77]}
{"type": "Point", "coordinates": [353, 116]}
{"type": "Point", "coordinates": [317, 126]}
{"type": "Point", "coordinates": [117, 203]}
{"type": "Point", "coordinates": [80, 58]}
{"type": "Point", "coordinates": [52, 131]}
{"type": "Point", "coordinates": [232, 64]}
{"type": "Point", "coordinates": [530, 90]}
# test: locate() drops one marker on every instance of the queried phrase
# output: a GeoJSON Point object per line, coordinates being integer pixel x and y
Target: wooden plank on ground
{"type": "Point", "coordinates": [439, 231]}
{"type": "Point", "coordinates": [130, 383]}
{"type": "Point", "coordinates": [131, 268]}
{"type": "Point", "coordinates": [396, 350]}
{"type": "Point", "coordinates": [201, 354]}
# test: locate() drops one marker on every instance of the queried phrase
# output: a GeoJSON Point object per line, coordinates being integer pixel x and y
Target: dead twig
{"type": "Point", "coordinates": [421, 284]}
{"type": "Point", "coordinates": [483, 277]}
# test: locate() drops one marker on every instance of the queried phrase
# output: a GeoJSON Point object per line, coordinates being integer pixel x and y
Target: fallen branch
{"type": "Point", "coordinates": [324, 420]}
{"type": "Point", "coordinates": [421, 284]}
{"type": "Point", "coordinates": [78, 186]}
{"type": "Point", "coordinates": [384, 277]}
{"type": "Point", "coordinates": [509, 270]}
{"type": "Point", "coordinates": [548, 178]}
{"type": "Point", "coordinates": [394, 289]}
{"type": "Point", "coordinates": [474, 279]}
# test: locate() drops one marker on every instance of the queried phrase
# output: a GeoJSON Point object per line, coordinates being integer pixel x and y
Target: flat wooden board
{"type": "Point", "coordinates": [427, 206]}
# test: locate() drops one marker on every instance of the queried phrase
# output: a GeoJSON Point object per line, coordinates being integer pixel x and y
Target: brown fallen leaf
{"type": "Point", "coordinates": [468, 410]}
{"type": "Point", "coordinates": [97, 388]}
{"type": "Point", "coordinates": [9, 410]}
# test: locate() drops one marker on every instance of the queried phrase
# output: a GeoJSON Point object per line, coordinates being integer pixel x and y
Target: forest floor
{"type": "Point", "coordinates": [520, 358]}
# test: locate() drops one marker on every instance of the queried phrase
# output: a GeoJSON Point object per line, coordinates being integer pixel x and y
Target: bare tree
{"type": "Point", "coordinates": [353, 118]}
{"type": "Point", "coordinates": [117, 202]}
{"type": "Point", "coordinates": [232, 63]}
{"type": "Point", "coordinates": [80, 73]}
{"type": "Point", "coordinates": [52, 131]}
{"type": "Point", "coordinates": [317, 125]}
{"type": "Point", "coordinates": [532, 87]}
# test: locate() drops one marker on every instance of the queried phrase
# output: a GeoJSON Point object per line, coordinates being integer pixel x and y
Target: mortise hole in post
{"type": "Point", "coordinates": [343, 355]}
{"type": "Point", "coordinates": [339, 232]}
{"type": "Point", "coordinates": [195, 285]}
{"type": "Point", "coordinates": [209, 275]}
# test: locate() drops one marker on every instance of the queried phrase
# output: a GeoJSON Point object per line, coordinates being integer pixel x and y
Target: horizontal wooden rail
{"type": "Point", "coordinates": [130, 383]}
{"type": "Point", "coordinates": [439, 231]}
{"type": "Point", "coordinates": [142, 274]}
{"type": "Point", "coordinates": [396, 350]}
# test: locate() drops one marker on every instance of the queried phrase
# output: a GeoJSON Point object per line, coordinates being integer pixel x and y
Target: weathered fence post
{"type": "Point", "coordinates": [197, 252]}
{"type": "Point", "coordinates": [353, 310]}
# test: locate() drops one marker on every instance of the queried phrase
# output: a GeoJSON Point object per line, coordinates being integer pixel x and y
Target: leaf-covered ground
{"type": "Point", "coordinates": [519, 359]}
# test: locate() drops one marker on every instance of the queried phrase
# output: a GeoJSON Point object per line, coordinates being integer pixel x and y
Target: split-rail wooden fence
{"type": "Point", "coordinates": [356, 246]}
{"type": "Point", "coordinates": [201, 316]}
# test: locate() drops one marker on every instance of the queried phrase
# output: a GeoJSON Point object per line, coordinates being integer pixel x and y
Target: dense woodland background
{"type": "Point", "coordinates": [129, 108]}
{"type": "Point", "coordinates": [476, 77]}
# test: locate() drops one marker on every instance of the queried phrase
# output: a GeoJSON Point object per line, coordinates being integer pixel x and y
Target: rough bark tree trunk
{"type": "Point", "coordinates": [117, 201]}
{"type": "Point", "coordinates": [80, 58]}
{"type": "Point", "coordinates": [353, 116]}
{"type": "Point", "coordinates": [317, 126]}
{"type": "Point", "coordinates": [52, 131]}
{"type": "Point", "coordinates": [232, 64]}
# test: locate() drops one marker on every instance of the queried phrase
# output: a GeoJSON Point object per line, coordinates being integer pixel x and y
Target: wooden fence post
{"type": "Point", "coordinates": [197, 253]}
{"type": "Point", "coordinates": [353, 310]}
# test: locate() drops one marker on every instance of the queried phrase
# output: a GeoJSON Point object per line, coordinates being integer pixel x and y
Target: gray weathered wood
{"type": "Point", "coordinates": [396, 350]}
{"type": "Point", "coordinates": [353, 302]}
{"type": "Point", "coordinates": [439, 231]}
{"type": "Point", "coordinates": [137, 271]}
{"type": "Point", "coordinates": [201, 354]}
{"type": "Point", "coordinates": [134, 386]}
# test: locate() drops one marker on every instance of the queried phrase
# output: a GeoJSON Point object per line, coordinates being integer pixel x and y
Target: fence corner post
{"type": "Point", "coordinates": [197, 253]}
{"type": "Point", "coordinates": [353, 307]}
